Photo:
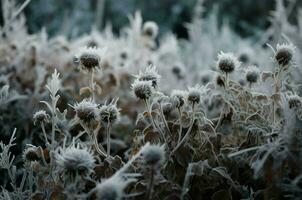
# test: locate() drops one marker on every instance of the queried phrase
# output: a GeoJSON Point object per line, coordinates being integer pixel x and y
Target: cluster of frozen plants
{"type": "Point", "coordinates": [137, 117]}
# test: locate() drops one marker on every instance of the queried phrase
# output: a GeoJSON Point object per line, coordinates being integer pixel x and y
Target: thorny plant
{"type": "Point", "coordinates": [230, 132]}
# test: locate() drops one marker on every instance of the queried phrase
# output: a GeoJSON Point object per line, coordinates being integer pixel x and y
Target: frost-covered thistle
{"type": "Point", "coordinates": [194, 94]}
{"type": "Point", "coordinates": [74, 161]}
{"type": "Point", "coordinates": [111, 189]}
{"type": "Point", "coordinates": [178, 97]}
{"type": "Point", "coordinates": [109, 113]}
{"type": "Point", "coordinates": [87, 113]}
{"type": "Point", "coordinates": [227, 62]}
{"type": "Point", "coordinates": [284, 54]}
{"type": "Point", "coordinates": [252, 75]}
{"type": "Point", "coordinates": [149, 74]}
{"type": "Point", "coordinates": [142, 89]}
{"type": "Point", "coordinates": [150, 29]}
{"type": "Point", "coordinates": [153, 155]}
{"type": "Point", "coordinates": [89, 58]}
{"type": "Point", "coordinates": [294, 101]}
{"type": "Point", "coordinates": [31, 154]}
{"type": "Point", "coordinates": [40, 117]}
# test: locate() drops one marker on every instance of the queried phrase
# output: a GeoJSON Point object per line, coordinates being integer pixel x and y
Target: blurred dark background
{"type": "Point", "coordinates": [75, 17]}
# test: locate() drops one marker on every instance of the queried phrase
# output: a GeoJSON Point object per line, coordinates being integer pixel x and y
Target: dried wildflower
{"type": "Point", "coordinates": [294, 101]}
{"type": "Point", "coordinates": [149, 74]}
{"type": "Point", "coordinates": [75, 160]}
{"type": "Point", "coordinates": [31, 154]}
{"type": "Point", "coordinates": [109, 113]}
{"type": "Point", "coordinates": [111, 189]}
{"type": "Point", "coordinates": [194, 94]}
{"type": "Point", "coordinates": [142, 89]}
{"type": "Point", "coordinates": [166, 104]}
{"type": "Point", "coordinates": [153, 155]}
{"type": "Point", "coordinates": [87, 112]}
{"type": "Point", "coordinates": [227, 62]}
{"type": "Point", "coordinates": [252, 75]}
{"type": "Point", "coordinates": [40, 116]}
{"type": "Point", "coordinates": [220, 81]}
{"type": "Point", "coordinates": [284, 54]}
{"type": "Point", "coordinates": [150, 29]}
{"type": "Point", "coordinates": [89, 58]}
{"type": "Point", "coordinates": [178, 71]}
{"type": "Point", "coordinates": [178, 97]}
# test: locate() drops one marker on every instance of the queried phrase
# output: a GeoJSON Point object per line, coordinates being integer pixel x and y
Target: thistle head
{"type": "Point", "coordinates": [31, 154]}
{"type": "Point", "coordinates": [194, 94]}
{"type": "Point", "coordinates": [87, 112]}
{"type": "Point", "coordinates": [252, 74]}
{"type": "Point", "coordinates": [284, 54]}
{"type": "Point", "coordinates": [142, 89]}
{"type": "Point", "coordinates": [109, 113]}
{"type": "Point", "coordinates": [149, 74]}
{"type": "Point", "coordinates": [178, 97]}
{"type": "Point", "coordinates": [150, 29]}
{"type": "Point", "coordinates": [40, 117]}
{"type": "Point", "coordinates": [227, 62]}
{"type": "Point", "coordinates": [111, 189]}
{"type": "Point", "coordinates": [89, 58]}
{"type": "Point", "coordinates": [74, 160]}
{"type": "Point", "coordinates": [153, 155]}
{"type": "Point", "coordinates": [294, 101]}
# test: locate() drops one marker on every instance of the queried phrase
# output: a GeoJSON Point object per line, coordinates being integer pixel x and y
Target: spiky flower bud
{"type": "Point", "coordinates": [87, 112]}
{"type": "Point", "coordinates": [227, 62]}
{"type": "Point", "coordinates": [31, 154]}
{"type": "Point", "coordinates": [40, 116]}
{"type": "Point", "coordinates": [89, 58]}
{"type": "Point", "coordinates": [194, 94]}
{"type": "Point", "coordinates": [294, 101]}
{"type": "Point", "coordinates": [109, 113]}
{"type": "Point", "coordinates": [142, 89]}
{"type": "Point", "coordinates": [252, 75]}
{"type": "Point", "coordinates": [178, 97]}
{"type": "Point", "coordinates": [149, 74]}
{"type": "Point", "coordinates": [111, 189]}
{"type": "Point", "coordinates": [150, 29]}
{"type": "Point", "coordinates": [74, 160]}
{"type": "Point", "coordinates": [153, 155]}
{"type": "Point", "coordinates": [284, 54]}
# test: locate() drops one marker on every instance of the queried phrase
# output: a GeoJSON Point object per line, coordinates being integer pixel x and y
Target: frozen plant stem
{"type": "Point", "coordinates": [150, 186]}
{"type": "Point", "coordinates": [180, 127]}
{"type": "Point", "coordinates": [108, 138]}
{"type": "Point", "coordinates": [92, 84]}
{"type": "Point", "coordinates": [165, 121]}
{"type": "Point", "coordinates": [44, 133]}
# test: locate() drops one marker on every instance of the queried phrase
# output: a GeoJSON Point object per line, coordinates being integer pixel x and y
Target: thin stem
{"type": "Point", "coordinates": [165, 121]}
{"type": "Point", "coordinates": [96, 145]}
{"type": "Point", "coordinates": [180, 127]}
{"type": "Point", "coordinates": [108, 138]}
{"type": "Point", "coordinates": [150, 186]}
{"type": "Point", "coordinates": [92, 84]}
{"type": "Point", "coordinates": [44, 133]}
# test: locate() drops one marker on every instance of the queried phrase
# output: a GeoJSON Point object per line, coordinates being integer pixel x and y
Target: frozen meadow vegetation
{"type": "Point", "coordinates": [137, 116]}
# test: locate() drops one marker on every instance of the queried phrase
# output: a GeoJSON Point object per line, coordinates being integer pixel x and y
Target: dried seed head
{"type": "Point", "coordinates": [194, 94]}
{"type": "Point", "coordinates": [166, 104]}
{"type": "Point", "coordinates": [74, 160]}
{"type": "Point", "coordinates": [109, 113]}
{"type": "Point", "coordinates": [142, 89]}
{"type": "Point", "coordinates": [178, 97]}
{"type": "Point", "coordinates": [149, 74]}
{"type": "Point", "coordinates": [87, 112]}
{"type": "Point", "coordinates": [284, 54]}
{"type": "Point", "coordinates": [252, 74]}
{"type": "Point", "coordinates": [150, 29]}
{"type": "Point", "coordinates": [153, 155]}
{"type": "Point", "coordinates": [220, 81]}
{"type": "Point", "coordinates": [111, 189]}
{"type": "Point", "coordinates": [227, 62]}
{"type": "Point", "coordinates": [31, 154]}
{"type": "Point", "coordinates": [294, 101]}
{"type": "Point", "coordinates": [40, 116]}
{"type": "Point", "coordinates": [89, 58]}
{"type": "Point", "coordinates": [179, 71]}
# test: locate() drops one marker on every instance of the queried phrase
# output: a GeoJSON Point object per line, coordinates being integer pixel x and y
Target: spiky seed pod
{"type": "Point", "coordinates": [166, 104]}
{"type": "Point", "coordinates": [89, 58]}
{"type": "Point", "coordinates": [40, 116]}
{"type": "Point", "coordinates": [153, 155]}
{"type": "Point", "coordinates": [142, 89]}
{"type": "Point", "coordinates": [111, 189]}
{"type": "Point", "coordinates": [294, 101]}
{"type": "Point", "coordinates": [31, 154]}
{"type": "Point", "coordinates": [74, 160]}
{"type": "Point", "coordinates": [194, 94]}
{"type": "Point", "coordinates": [87, 112]}
{"type": "Point", "coordinates": [178, 97]}
{"type": "Point", "coordinates": [284, 54]}
{"type": "Point", "coordinates": [252, 75]}
{"type": "Point", "coordinates": [109, 113]}
{"type": "Point", "coordinates": [149, 74]}
{"type": "Point", "coordinates": [227, 62]}
{"type": "Point", "coordinates": [150, 29]}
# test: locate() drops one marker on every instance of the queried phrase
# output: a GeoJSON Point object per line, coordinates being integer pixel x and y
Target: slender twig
{"type": "Point", "coordinates": [108, 138]}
